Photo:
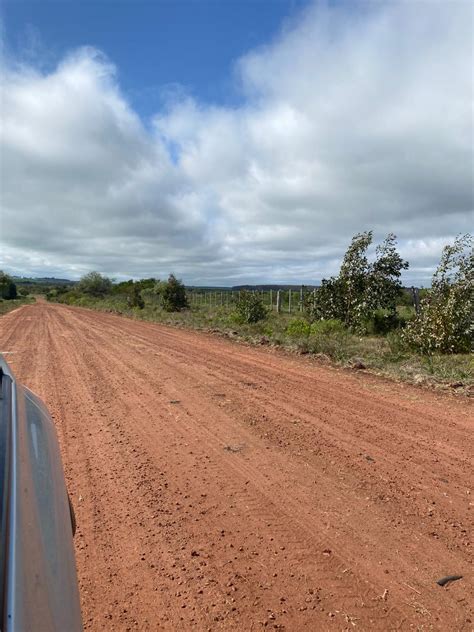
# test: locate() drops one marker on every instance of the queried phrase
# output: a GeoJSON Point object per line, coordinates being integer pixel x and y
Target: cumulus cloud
{"type": "Point", "coordinates": [355, 117]}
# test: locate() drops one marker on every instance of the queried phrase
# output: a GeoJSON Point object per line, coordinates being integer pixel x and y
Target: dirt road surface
{"type": "Point", "coordinates": [223, 487]}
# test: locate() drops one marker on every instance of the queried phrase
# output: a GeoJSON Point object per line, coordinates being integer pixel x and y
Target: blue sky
{"type": "Point", "coordinates": [232, 142]}
{"type": "Point", "coordinates": [156, 45]}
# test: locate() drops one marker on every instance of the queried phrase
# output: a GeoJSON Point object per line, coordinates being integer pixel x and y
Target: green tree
{"type": "Point", "coordinates": [353, 280]}
{"type": "Point", "coordinates": [172, 294]}
{"type": "Point", "coordinates": [384, 287]}
{"type": "Point", "coordinates": [7, 286]}
{"type": "Point", "coordinates": [362, 287]}
{"type": "Point", "coordinates": [445, 323]}
{"type": "Point", "coordinates": [95, 284]}
{"type": "Point", "coordinates": [147, 284]}
{"type": "Point", "coordinates": [124, 287]}
{"type": "Point", "coordinates": [249, 307]}
{"type": "Point", "coordinates": [135, 298]}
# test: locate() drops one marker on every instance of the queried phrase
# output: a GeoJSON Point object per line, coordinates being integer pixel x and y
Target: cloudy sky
{"type": "Point", "coordinates": [232, 142]}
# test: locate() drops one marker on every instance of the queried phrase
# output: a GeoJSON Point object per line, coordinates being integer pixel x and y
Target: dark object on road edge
{"type": "Point", "coordinates": [449, 578]}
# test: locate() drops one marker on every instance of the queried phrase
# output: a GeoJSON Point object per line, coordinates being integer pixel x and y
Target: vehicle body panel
{"type": "Point", "coordinates": [40, 589]}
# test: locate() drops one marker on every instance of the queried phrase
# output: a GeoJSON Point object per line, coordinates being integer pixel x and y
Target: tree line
{"type": "Point", "coordinates": [362, 298]}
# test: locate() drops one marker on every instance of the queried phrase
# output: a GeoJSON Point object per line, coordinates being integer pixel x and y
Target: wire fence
{"type": "Point", "coordinates": [289, 301]}
{"type": "Point", "coordinates": [281, 301]}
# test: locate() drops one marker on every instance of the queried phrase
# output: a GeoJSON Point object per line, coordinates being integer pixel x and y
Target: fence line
{"type": "Point", "coordinates": [287, 301]}
{"type": "Point", "coordinates": [277, 300]}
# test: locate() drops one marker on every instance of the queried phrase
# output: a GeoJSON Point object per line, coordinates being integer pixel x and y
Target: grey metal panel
{"type": "Point", "coordinates": [41, 582]}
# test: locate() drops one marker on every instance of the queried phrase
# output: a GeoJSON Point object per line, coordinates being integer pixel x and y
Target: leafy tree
{"type": "Point", "coordinates": [353, 280]}
{"type": "Point", "coordinates": [384, 287]}
{"type": "Point", "coordinates": [7, 286]}
{"type": "Point", "coordinates": [445, 323]}
{"type": "Point", "coordinates": [362, 287]}
{"type": "Point", "coordinates": [124, 287]}
{"type": "Point", "coordinates": [95, 284]}
{"type": "Point", "coordinates": [135, 298]}
{"type": "Point", "coordinates": [249, 307]}
{"type": "Point", "coordinates": [23, 291]}
{"type": "Point", "coordinates": [172, 294]}
{"type": "Point", "coordinates": [147, 284]}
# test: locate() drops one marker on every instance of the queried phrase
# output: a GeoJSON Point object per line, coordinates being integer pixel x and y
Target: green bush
{"type": "Point", "coordinates": [298, 328]}
{"type": "Point", "coordinates": [382, 322]}
{"type": "Point", "coordinates": [7, 286]}
{"type": "Point", "coordinates": [95, 284]}
{"type": "Point", "coordinates": [249, 308]}
{"type": "Point", "coordinates": [329, 337]}
{"type": "Point", "coordinates": [135, 299]}
{"type": "Point", "coordinates": [328, 327]}
{"type": "Point", "coordinates": [445, 323]}
{"type": "Point", "coordinates": [172, 294]}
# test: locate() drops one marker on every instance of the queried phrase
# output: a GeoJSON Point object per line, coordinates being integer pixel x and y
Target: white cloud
{"type": "Point", "coordinates": [354, 118]}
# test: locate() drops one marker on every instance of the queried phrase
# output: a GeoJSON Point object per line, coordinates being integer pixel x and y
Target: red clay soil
{"type": "Point", "coordinates": [223, 487]}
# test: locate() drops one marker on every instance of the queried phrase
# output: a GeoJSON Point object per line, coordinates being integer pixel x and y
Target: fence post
{"type": "Point", "coordinates": [289, 301]}
{"type": "Point", "coordinates": [271, 300]}
{"type": "Point", "coordinates": [301, 298]}
{"type": "Point", "coordinates": [278, 306]}
{"type": "Point", "coordinates": [416, 299]}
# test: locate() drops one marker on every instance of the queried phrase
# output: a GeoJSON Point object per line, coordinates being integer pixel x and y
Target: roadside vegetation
{"type": "Point", "coordinates": [10, 296]}
{"type": "Point", "coordinates": [362, 318]}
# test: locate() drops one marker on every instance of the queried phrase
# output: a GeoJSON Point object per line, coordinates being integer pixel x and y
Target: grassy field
{"type": "Point", "coordinates": [8, 306]}
{"type": "Point", "coordinates": [383, 355]}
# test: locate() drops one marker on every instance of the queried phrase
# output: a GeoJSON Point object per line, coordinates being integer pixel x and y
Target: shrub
{"type": "Point", "coordinates": [445, 323]}
{"type": "Point", "coordinates": [172, 294]}
{"type": "Point", "coordinates": [135, 299]}
{"type": "Point", "coordinates": [7, 286]}
{"type": "Point", "coordinates": [249, 308]}
{"type": "Point", "coordinates": [95, 284]}
{"type": "Point", "coordinates": [298, 328]}
{"type": "Point", "coordinates": [328, 327]}
{"type": "Point", "coordinates": [382, 322]}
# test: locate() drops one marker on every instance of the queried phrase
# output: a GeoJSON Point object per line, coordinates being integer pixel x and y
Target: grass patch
{"type": "Point", "coordinates": [11, 304]}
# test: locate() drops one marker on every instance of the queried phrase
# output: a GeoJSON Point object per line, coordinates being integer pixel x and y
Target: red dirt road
{"type": "Point", "coordinates": [221, 487]}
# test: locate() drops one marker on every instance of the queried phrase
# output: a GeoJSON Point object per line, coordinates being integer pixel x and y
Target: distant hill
{"type": "Point", "coordinates": [261, 287]}
{"type": "Point", "coordinates": [266, 288]}
{"type": "Point", "coordinates": [41, 281]}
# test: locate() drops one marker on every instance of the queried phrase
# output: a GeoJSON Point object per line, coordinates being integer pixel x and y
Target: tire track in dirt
{"type": "Point", "coordinates": [291, 527]}
{"type": "Point", "coordinates": [203, 437]}
{"type": "Point", "coordinates": [338, 442]}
